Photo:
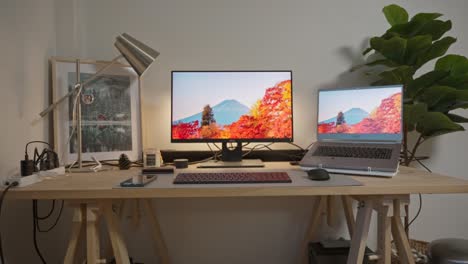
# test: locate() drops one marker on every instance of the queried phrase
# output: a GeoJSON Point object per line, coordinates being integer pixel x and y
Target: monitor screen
{"type": "Point", "coordinates": [220, 106]}
{"type": "Point", "coordinates": [368, 113]}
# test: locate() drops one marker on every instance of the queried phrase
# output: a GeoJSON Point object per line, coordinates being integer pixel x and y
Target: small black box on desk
{"type": "Point", "coordinates": [158, 170]}
{"type": "Point", "coordinates": [332, 252]}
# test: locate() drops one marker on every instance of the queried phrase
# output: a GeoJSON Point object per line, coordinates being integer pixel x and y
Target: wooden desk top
{"type": "Point", "coordinates": [102, 185]}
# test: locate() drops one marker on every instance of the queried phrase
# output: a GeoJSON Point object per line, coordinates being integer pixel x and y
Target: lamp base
{"type": "Point", "coordinates": [84, 170]}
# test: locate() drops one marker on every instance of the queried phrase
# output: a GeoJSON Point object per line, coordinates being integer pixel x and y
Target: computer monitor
{"type": "Point", "coordinates": [231, 107]}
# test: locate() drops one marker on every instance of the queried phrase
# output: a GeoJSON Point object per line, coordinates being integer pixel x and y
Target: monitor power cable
{"type": "Point", "coordinates": [419, 196]}
{"type": "Point", "coordinates": [418, 160]}
{"type": "Point", "coordinates": [39, 218]}
{"type": "Point", "coordinates": [2, 198]}
{"type": "Point", "coordinates": [35, 224]}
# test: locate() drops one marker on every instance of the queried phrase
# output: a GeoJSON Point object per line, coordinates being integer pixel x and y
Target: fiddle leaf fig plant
{"type": "Point", "coordinates": [429, 97]}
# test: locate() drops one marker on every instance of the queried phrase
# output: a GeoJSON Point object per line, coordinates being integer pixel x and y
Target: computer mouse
{"type": "Point", "coordinates": [318, 175]}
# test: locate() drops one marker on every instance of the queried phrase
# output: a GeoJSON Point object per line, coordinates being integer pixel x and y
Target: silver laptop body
{"type": "Point", "coordinates": [359, 131]}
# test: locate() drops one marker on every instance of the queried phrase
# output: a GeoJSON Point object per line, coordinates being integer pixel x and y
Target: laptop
{"type": "Point", "coordinates": [359, 131]}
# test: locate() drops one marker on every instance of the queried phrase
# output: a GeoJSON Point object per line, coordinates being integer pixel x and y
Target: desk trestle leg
{"type": "Point", "coordinates": [118, 244]}
{"type": "Point", "coordinates": [349, 214]}
{"type": "Point", "coordinates": [384, 235]}
{"type": "Point", "coordinates": [389, 223]}
{"type": "Point", "coordinates": [92, 236]}
{"type": "Point", "coordinates": [160, 245]}
{"type": "Point", "coordinates": [399, 235]}
{"type": "Point", "coordinates": [78, 225]}
{"type": "Point", "coordinates": [359, 239]}
{"type": "Point", "coordinates": [317, 209]}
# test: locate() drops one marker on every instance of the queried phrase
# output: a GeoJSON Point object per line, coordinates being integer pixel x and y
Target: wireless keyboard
{"type": "Point", "coordinates": [232, 177]}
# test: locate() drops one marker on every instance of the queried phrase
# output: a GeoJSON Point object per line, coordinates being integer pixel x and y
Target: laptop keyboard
{"type": "Point", "coordinates": [353, 152]}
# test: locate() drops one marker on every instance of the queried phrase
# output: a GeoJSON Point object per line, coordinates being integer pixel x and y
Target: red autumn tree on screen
{"type": "Point", "coordinates": [185, 130]}
{"type": "Point", "coordinates": [270, 117]}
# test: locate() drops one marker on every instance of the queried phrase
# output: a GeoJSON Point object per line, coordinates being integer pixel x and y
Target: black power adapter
{"type": "Point", "coordinates": [27, 166]}
{"type": "Point", "coordinates": [47, 160]}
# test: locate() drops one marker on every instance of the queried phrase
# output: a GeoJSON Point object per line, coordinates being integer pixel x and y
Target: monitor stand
{"type": "Point", "coordinates": [232, 158]}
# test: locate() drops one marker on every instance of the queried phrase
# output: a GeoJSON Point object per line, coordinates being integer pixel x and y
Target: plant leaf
{"type": "Point", "coordinates": [435, 94]}
{"type": "Point", "coordinates": [413, 27]}
{"type": "Point", "coordinates": [458, 82]}
{"type": "Point", "coordinates": [412, 113]}
{"type": "Point", "coordinates": [444, 99]}
{"type": "Point", "coordinates": [424, 17]}
{"type": "Point", "coordinates": [460, 104]}
{"type": "Point", "coordinates": [435, 28]}
{"type": "Point", "coordinates": [415, 47]}
{"type": "Point", "coordinates": [395, 14]}
{"type": "Point", "coordinates": [400, 75]}
{"type": "Point", "coordinates": [426, 80]}
{"type": "Point", "coordinates": [437, 49]}
{"type": "Point", "coordinates": [455, 64]}
{"type": "Point", "coordinates": [434, 124]}
{"type": "Point", "coordinates": [457, 118]}
{"type": "Point", "coordinates": [384, 62]}
{"type": "Point", "coordinates": [367, 51]}
{"type": "Point", "coordinates": [393, 49]}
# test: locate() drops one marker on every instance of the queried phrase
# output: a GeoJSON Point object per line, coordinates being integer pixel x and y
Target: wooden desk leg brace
{"type": "Point", "coordinates": [389, 221]}
{"type": "Point", "coordinates": [78, 224]}
{"type": "Point", "coordinates": [85, 217]}
{"type": "Point", "coordinates": [160, 245]}
{"type": "Point", "coordinates": [317, 211]}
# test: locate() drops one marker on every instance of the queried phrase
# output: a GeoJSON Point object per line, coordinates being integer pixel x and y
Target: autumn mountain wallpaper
{"type": "Point", "coordinates": [383, 119]}
{"type": "Point", "coordinates": [269, 116]}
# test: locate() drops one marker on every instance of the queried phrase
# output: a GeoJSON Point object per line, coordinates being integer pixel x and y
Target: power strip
{"type": "Point", "coordinates": [34, 178]}
{"type": "Point", "coordinates": [28, 180]}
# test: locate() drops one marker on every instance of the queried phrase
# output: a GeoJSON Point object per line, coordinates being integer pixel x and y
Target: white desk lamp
{"type": "Point", "coordinates": [135, 52]}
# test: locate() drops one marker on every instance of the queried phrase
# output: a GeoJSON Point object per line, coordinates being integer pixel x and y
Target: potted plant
{"type": "Point", "coordinates": [429, 97]}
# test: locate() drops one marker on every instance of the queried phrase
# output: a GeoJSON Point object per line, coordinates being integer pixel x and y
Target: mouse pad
{"type": "Point", "coordinates": [298, 177]}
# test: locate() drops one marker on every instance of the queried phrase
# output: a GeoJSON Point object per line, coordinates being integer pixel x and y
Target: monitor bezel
{"type": "Point", "coordinates": [217, 140]}
{"type": "Point", "coordinates": [360, 137]}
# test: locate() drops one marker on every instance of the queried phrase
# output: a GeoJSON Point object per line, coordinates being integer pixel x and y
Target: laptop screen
{"type": "Point", "coordinates": [367, 113]}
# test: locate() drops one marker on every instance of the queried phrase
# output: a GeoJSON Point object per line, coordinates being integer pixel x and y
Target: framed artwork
{"type": "Point", "coordinates": [110, 111]}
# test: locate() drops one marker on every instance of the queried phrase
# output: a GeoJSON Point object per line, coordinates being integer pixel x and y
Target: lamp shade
{"type": "Point", "coordinates": [136, 53]}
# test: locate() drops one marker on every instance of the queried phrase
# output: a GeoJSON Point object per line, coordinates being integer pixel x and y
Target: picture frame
{"type": "Point", "coordinates": [110, 111]}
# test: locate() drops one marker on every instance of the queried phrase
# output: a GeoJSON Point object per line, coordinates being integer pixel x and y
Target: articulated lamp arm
{"type": "Point", "coordinates": [77, 86]}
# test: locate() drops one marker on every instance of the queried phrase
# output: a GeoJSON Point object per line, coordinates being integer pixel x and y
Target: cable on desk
{"type": "Point", "coordinates": [35, 220]}
{"type": "Point", "coordinates": [297, 146]}
{"type": "Point", "coordinates": [420, 196]}
{"type": "Point", "coordinates": [55, 221]}
{"type": "Point", "coordinates": [2, 197]}
{"type": "Point", "coordinates": [215, 154]}
{"type": "Point", "coordinates": [417, 214]}
{"type": "Point", "coordinates": [258, 146]}
{"type": "Point", "coordinates": [52, 208]}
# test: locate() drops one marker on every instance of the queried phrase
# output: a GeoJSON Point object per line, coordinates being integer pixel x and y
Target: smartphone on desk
{"type": "Point", "coordinates": [139, 181]}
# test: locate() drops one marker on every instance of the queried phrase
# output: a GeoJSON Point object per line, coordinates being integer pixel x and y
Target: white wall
{"type": "Point", "coordinates": [318, 40]}
{"type": "Point", "coordinates": [27, 30]}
